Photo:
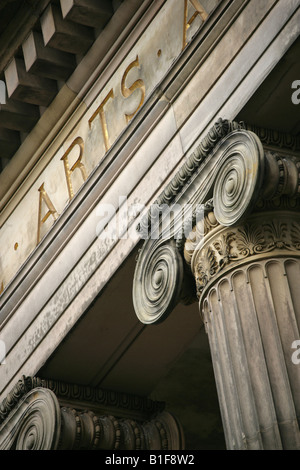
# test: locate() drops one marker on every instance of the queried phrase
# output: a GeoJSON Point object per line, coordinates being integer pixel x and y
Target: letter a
{"type": "Point", "coordinates": [187, 23]}
{"type": "Point", "coordinates": [51, 210]}
{"type": "Point", "coordinates": [78, 164]}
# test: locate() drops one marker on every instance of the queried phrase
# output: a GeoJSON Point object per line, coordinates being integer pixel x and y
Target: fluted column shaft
{"type": "Point", "coordinates": [248, 280]}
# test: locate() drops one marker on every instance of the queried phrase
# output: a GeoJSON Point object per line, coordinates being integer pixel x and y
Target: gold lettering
{"type": "Point", "coordinates": [187, 23]}
{"type": "Point", "coordinates": [1, 287]}
{"type": "Point", "coordinates": [138, 84]}
{"type": "Point", "coordinates": [100, 111]}
{"type": "Point", "coordinates": [78, 164]}
{"type": "Point", "coordinates": [51, 210]}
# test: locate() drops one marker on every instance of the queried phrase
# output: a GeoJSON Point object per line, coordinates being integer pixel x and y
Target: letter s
{"type": "Point", "coordinates": [296, 94]}
{"type": "Point", "coordinates": [138, 84]}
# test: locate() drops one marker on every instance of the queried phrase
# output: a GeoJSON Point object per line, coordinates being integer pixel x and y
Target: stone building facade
{"type": "Point", "coordinates": [150, 231]}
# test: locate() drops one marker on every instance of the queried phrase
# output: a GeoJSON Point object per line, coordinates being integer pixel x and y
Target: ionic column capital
{"type": "Point", "coordinates": [34, 417]}
{"type": "Point", "coordinates": [227, 178]}
{"type": "Point", "coordinates": [31, 420]}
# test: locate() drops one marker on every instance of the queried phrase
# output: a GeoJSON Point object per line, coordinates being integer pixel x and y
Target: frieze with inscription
{"type": "Point", "coordinates": [109, 111]}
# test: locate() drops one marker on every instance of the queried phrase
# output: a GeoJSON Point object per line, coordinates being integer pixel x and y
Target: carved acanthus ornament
{"type": "Point", "coordinates": [225, 249]}
{"type": "Point", "coordinates": [33, 417]}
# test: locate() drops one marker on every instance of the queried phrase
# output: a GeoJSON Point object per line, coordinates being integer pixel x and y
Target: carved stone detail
{"type": "Point", "coordinates": [282, 176]}
{"type": "Point", "coordinates": [226, 248]}
{"type": "Point", "coordinates": [33, 418]}
{"type": "Point", "coordinates": [34, 424]}
{"type": "Point", "coordinates": [158, 281]}
{"type": "Point", "coordinates": [229, 164]}
{"type": "Point", "coordinates": [86, 430]}
{"type": "Point", "coordinates": [23, 386]}
{"type": "Point", "coordinates": [279, 195]}
{"type": "Point", "coordinates": [238, 181]}
{"type": "Point", "coordinates": [244, 251]}
{"type": "Point", "coordinates": [276, 139]}
{"type": "Point", "coordinates": [81, 396]}
{"type": "Point", "coordinates": [247, 272]}
{"type": "Point", "coordinates": [219, 131]}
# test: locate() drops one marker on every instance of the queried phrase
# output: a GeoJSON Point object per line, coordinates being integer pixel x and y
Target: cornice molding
{"type": "Point", "coordinates": [227, 153]}
{"type": "Point", "coordinates": [275, 139]}
{"type": "Point", "coordinates": [82, 397]}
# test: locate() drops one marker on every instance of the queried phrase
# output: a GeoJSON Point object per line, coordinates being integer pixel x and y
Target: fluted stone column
{"type": "Point", "coordinates": [248, 280]}
{"type": "Point", "coordinates": [248, 276]}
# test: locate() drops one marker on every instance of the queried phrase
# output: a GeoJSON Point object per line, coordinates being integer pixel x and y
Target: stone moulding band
{"type": "Point", "coordinates": [127, 404]}
{"type": "Point", "coordinates": [275, 139]}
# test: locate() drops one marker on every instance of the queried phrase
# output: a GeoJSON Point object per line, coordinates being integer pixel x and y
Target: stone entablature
{"type": "Point", "coordinates": [110, 106]}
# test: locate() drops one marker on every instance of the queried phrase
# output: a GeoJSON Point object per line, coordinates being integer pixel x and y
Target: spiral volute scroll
{"type": "Point", "coordinates": [35, 423]}
{"type": "Point", "coordinates": [158, 281]}
{"type": "Point", "coordinates": [239, 181]}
